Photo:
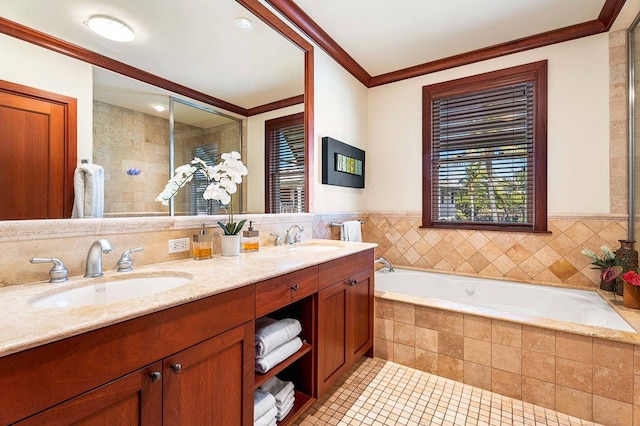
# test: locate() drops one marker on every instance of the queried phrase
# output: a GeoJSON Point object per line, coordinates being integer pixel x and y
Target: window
{"type": "Point", "coordinates": [285, 165]}
{"type": "Point", "coordinates": [484, 151]}
{"type": "Point", "coordinates": [199, 206]}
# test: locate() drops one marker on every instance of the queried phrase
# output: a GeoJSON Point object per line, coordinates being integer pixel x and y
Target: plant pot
{"type": "Point", "coordinates": [230, 245]}
{"type": "Point", "coordinates": [631, 296]}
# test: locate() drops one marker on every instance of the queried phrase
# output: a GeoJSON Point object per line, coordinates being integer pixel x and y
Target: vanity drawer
{"type": "Point", "coordinates": [344, 267]}
{"type": "Point", "coordinates": [277, 292]}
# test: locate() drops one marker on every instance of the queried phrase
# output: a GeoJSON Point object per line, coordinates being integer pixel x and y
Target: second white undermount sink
{"type": "Point", "coordinates": [104, 290]}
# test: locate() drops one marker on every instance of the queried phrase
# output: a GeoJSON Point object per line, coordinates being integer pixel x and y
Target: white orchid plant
{"type": "Point", "coordinates": [223, 181]}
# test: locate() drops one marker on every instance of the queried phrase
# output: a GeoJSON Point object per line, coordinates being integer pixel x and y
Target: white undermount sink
{"type": "Point", "coordinates": [317, 246]}
{"type": "Point", "coordinates": [108, 290]}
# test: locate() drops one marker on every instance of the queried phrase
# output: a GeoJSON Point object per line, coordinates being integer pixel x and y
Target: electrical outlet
{"type": "Point", "coordinates": [178, 245]}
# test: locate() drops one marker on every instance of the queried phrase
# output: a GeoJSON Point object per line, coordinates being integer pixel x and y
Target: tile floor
{"type": "Point", "coordinates": [380, 392]}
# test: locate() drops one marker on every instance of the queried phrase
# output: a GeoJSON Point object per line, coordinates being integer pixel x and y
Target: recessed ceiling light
{"type": "Point", "coordinates": [110, 28]}
{"type": "Point", "coordinates": [159, 107]}
{"type": "Point", "coordinates": [244, 23]}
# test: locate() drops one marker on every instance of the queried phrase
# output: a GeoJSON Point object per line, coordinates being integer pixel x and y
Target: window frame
{"type": "Point", "coordinates": [270, 126]}
{"type": "Point", "coordinates": [534, 72]}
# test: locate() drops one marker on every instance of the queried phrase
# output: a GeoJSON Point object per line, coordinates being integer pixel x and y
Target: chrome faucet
{"type": "Point", "coordinates": [385, 263]}
{"type": "Point", "coordinates": [293, 237]}
{"type": "Point", "coordinates": [93, 268]}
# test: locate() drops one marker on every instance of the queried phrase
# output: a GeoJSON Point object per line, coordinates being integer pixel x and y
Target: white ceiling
{"type": "Point", "coordinates": [388, 35]}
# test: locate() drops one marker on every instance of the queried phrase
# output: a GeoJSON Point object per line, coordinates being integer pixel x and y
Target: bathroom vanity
{"type": "Point", "coordinates": [186, 356]}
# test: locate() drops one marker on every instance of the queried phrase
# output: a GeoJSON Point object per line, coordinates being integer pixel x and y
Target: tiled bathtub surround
{"type": "Point", "coordinates": [587, 377]}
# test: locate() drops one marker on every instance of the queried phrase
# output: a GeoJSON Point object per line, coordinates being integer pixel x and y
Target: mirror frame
{"type": "Point", "coordinates": [32, 36]}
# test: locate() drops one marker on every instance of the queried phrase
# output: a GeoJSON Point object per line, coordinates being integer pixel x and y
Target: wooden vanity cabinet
{"type": "Point", "coordinates": [345, 316]}
{"type": "Point", "coordinates": [108, 373]}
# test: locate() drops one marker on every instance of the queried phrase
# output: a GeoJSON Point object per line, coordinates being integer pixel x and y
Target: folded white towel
{"type": "Point", "coordinates": [278, 388]}
{"type": "Point", "coordinates": [291, 396]}
{"type": "Point", "coordinates": [88, 187]}
{"type": "Point", "coordinates": [351, 230]}
{"type": "Point", "coordinates": [278, 355]}
{"type": "Point", "coordinates": [271, 333]}
{"type": "Point", "coordinates": [262, 403]}
{"type": "Point", "coordinates": [282, 413]}
{"type": "Point", "coordinates": [267, 419]}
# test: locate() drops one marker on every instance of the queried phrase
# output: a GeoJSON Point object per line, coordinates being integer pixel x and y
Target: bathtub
{"type": "Point", "coordinates": [555, 303]}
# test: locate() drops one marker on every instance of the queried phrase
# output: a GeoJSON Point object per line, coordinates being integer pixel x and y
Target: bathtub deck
{"type": "Point", "coordinates": [380, 392]}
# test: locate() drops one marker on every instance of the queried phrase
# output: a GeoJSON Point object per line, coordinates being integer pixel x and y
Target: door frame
{"type": "Point", "coordinates": [70, 106]}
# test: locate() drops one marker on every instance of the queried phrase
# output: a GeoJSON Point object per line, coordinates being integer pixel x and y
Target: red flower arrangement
{"type": "Point", "coordinates": [632, 278]}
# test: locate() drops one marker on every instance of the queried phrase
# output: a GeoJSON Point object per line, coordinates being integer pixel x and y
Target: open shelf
{"type": "Point", "coordinates": [260, 379]}
{"type": "Point", "coordinates": [302, 402]}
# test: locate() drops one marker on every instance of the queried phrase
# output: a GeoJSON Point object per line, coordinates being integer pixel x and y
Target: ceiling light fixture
{"type": "Point", "coordinates": [244, 23]}
{"type": "Point", "coordinates": [110, 28]}
{"type": "Point", "coordinates": [159, 107]}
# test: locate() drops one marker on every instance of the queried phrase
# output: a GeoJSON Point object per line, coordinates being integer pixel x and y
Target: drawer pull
{"type": "Point", "coordinates": [176, 368]}
{"type": "Point", "coordinates": [155, 376]}
{"type": "Point", "coordinates": [352, 282]}
{"type": "Point", "coordinates": [294, 287]}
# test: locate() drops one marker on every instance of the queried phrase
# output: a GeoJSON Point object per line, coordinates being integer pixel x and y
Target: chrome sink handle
{"type": "Point", "coordinates": [59, 273]}
{"type": "Point", "coordinates": [125, 263]}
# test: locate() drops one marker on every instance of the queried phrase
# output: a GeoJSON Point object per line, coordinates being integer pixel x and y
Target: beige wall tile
{"type": "Point", "coordinates": [426, 317]}
{"type": "Point", "coordinates": [477, 327]}
{"type": "Point", "coordinates": [506, 333]}
{"type": "Point", "coordinates": [404, 354]}
{"type": "Point", "coordinates": [636, 359]}
{"type": "Point", "coordinates": [506, 358]}
{"type": "Point", "coordinates": [450, 344]}
{"type": "Point", "coordinates": [610, 354]}
{"type": "Point", "coordinates": [611, 412]}
{"type": "Point", "coordinates": [427, 339]}
{"type": "Point", "coordinates": [404, 333]}
{"type": "Point", "coordinates": [450, 322]}
{"type": "Point", "coordinates": [506, 383]}
{"type": "Point", "coordinates": [575, 375]}
{"type": "Point", "coordinates": [404, 312]}
{"type": "Point", "coordinates": [477, 375]}
{"type": "Point", "coordinates": [636, 389]}
{"type": "Point", "coordinates": [451, 368]}
{"type": "Point", "coordinates": [613, 383]}
{"type": "Point", "coordinates": [574, 402]}
{"type": "Point", "coordinates": [539, 366]}
{"type": "Point", "coordinates": [539, 392]}
{"type": "Point", "coordinates": [384, 308]}
{"type": "Point", "coordinates": [383, 349]}
{"type": "Point", "coordinates": [538, 339]}
{"type": "Point", "coordinates": [426, 361]}
{"type": "Point", "coordinates": [574, 347]}
{"type": "Point", "coordinates": [477, 351]}
{"type": "Point", "coordinates": [383, 328]}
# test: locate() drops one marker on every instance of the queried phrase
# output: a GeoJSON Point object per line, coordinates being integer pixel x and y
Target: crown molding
{"type": "Point", "coordinates": [272, 106]}
{"type": "Point", "coordinates": [301, 20]}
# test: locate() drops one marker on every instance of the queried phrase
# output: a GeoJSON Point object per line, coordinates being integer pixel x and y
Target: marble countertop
{"type": "Point", "coordinates": [23, 326]}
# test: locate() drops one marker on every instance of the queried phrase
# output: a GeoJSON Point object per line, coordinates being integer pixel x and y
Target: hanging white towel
{"type": "Point", "coordinates": [262, 402]}
{"type": "Point", "coordinates": [271, 333]}
{"type": "Point", "coordinates": [351, 231]}
{"type": "Point", "coordinates": [88, 186]}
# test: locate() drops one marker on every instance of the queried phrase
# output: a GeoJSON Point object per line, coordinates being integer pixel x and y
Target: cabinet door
{"type": "Point", "coordinates": [135, 399]}
{"type": "Point", "coordinates": [332, 334]}
{"type": "Point", "coordinates": [360, 324]}
{"type": "Point", "coordinates": [211, 383]}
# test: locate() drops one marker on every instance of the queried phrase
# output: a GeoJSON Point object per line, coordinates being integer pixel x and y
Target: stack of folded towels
{"type": "Point", "coordinates": [264, 408]}
{"type": "Point", "coordinates": [283, 393]}
{"type": "Point", "coordinates": [276, 340]}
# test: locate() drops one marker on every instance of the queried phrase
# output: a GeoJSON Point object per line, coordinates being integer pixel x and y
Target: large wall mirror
{"type": "Point", "coordinates": [220, 82]}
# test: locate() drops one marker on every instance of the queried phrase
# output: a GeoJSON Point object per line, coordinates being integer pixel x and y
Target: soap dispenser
{"type": "Point", "coordinates": [201, 246]}
{"type": "Point", "coordinates": [250, 239]}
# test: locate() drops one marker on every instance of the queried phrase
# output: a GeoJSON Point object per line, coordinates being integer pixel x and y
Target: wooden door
{"type": "Point", "coordinates": [211, 383]}
{"type": "Point", "coordinates": [37, 153]}
{"type": "Point", "coordinates": [332, 334]}
{"type": "Point", "coordinates": [360, 325]}
{"type": "Point", "coordinates": [135, 399]}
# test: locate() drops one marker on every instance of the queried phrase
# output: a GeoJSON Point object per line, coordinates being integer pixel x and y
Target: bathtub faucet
{"type": "Point", "coordinates": [384, 262]}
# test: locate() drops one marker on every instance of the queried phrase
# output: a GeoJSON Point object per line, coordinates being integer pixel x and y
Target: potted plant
{"type": "Point", "coordinates": [223, 181]}
{"type": "Point", "coordinates": [606, 263]}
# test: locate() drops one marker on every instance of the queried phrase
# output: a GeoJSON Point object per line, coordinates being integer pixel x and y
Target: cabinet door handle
{"type": "Point", "coordinates": [352, 282]}
{"type": "Point", "coordinates": [155, 376]}
{"type": "Point", "coordinates": [176, 368]}
{"type": "Point", "coordinates": [294, 287]}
